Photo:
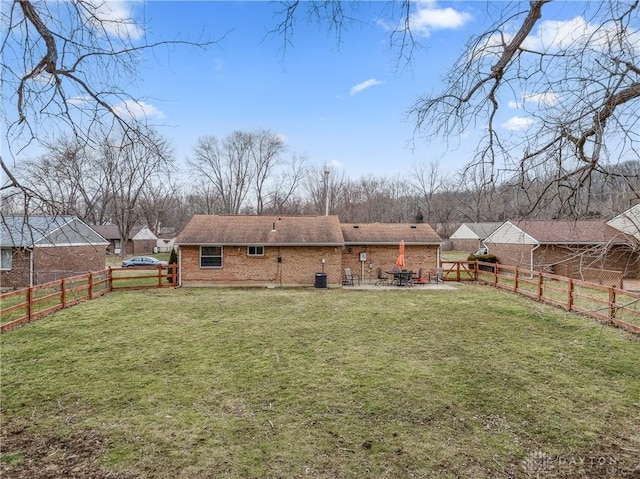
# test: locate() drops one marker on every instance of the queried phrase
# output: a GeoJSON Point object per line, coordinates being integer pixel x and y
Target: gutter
{"type": "Point", "coordinates": [235, 245]}
{"type": "Point", "coordinates": [30, 267]}
{"type": "Point", "coordinates": [532, 250]}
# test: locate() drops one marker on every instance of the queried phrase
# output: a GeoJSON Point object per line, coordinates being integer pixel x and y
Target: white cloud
{"type": "Point", "coordinates": [559, 35]}
{"type": "Point", "coordinates": [548, 98]}
{"type": "Point", "coordinates": [115, 18]}
{"type": "Point", "coordinates": [334, 164]}
{"type": "Point", "coordinates": [517, 123]}
{"type": "Point", "coordinates": [554, 35]}
{"type": "Point", "coordinates": [137, 110]}
{"type": "Point", "coordinates": [429, 16]}
{"type": "Point", "coordinates": [360, 87]}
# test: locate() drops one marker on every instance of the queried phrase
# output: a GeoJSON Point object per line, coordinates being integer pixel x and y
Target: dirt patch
{"type": "Point", "coordinates": [26, 455]}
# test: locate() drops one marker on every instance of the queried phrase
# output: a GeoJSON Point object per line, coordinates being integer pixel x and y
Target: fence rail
{"type": "Point", "coordinates": [609, 304]}
{"type": "Point", "coordinates": [606, 303]}
{"type": "Point", "coordinates": [28, 304]}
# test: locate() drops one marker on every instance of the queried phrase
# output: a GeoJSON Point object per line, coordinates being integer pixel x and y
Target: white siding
{"type": "Point", "coordinates": [628, 221]}
{"type": "Point", "coordinates": [464, 232]}
{"type": "Point", "coordinates": [144, 234]}
{"type": "Point", "coordinates": [510, 234]}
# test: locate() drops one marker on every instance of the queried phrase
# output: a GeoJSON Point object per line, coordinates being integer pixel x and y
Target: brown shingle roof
{"type": "Point", "coordinates": [259, 230]}
{"type": "Point", "coordinates": [578, 232]}
{"type": "Point", "coordinates": [389, 233]}
{"type": "Point", "coordinates": [111, 232]}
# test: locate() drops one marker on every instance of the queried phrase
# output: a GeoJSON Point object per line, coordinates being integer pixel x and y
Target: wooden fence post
{"type": "Point", "coordinates": [174, 274]}
{"type": "Point", "coordinates": [159, 276]}
{"type": "Point", "coordinates": [540, 277]}
{"type": "Point", "coordinates": [29, 303]}
{"type": "Point", "coordinates": [110, 280]}
{"type": "Point", "coordinates": [569, 294]}
{"type": "Point", "coordinates": [63, 291]}
{"type": "Point", "coordinates": [515, 284]}
{"type": "Point", "coordinates": [90, 288]}
{"type": "Point", "coordinates": [495, 275]}
{"type": "Point", "coordinates": [612, 303]}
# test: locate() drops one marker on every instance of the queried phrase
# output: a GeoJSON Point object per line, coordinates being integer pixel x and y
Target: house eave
{"type": "Point", "coordinates": [235, 245]}
{"type": "Point", "coordinates": [392, 243]}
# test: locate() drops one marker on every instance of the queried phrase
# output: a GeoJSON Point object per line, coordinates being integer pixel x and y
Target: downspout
{"type": "Point", "coordinates": [179, 266]}
{"type": "Point", "coordinates": [532, 250]}
{"type": "Point", "coordinates": [31, 272]}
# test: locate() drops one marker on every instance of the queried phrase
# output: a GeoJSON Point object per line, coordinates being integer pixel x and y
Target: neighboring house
{"type": "Point", "coordinates": [568, 248]}
{"type": "Point", "coordinates": [260, 250]}
{"type": "Point", "coordinates": [166, 237]}
{"type": "Point", "coordinates": [140, 241]}
{"type": "Point", "coordinates": [39, 249]}
{"type": "Point", "coordinates": [628, 221]}
{"type": "Point", "coordinates": [470, 236]}
{"type": "Point", "coordinates": [368, 246]}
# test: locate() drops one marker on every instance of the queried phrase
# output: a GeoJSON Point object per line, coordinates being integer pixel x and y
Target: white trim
{"type": "Point", "coordinates": [254, 255]}
{"type": "Point", "coordinates": [221, 257]}
{"type": "Point", "coordinates": [63, 245]}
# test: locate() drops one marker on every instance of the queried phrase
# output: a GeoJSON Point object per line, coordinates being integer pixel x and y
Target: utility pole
{"type": "Point", "coordinates": [327, 170]}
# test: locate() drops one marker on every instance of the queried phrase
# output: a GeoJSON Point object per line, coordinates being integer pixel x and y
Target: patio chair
{"type": "Point", "coordinates": [381, 280]}
{"type": "Point", "coordinates": [419, 279]}
{"type": "Point", "coordinates": [350, 278]}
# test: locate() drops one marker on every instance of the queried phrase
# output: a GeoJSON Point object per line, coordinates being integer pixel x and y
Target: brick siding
{"type": "Point", "coordinates": [60, 262]}
{"type": "Point", "coordinates": [564, 260]}
{"type": "Point", "coordinates": [18, 275]}
{"type": "Point", "coordinates": [298, 267]}
{"type": "Point", "coordinates": [143, 246]}
{"type": "Point", "coordinates": [384, 257]}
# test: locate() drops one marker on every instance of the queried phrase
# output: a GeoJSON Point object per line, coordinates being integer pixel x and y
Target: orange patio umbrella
{"type": "Point", "coordinates": [400, 259]}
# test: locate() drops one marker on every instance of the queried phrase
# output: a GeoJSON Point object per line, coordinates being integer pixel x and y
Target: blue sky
{"type": "Point", "coordinates": [342, 103]}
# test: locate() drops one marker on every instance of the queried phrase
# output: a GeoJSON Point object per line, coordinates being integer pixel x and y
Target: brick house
{"type": "Point", "coordinates": [290, 250]}
{"type": "Point", "coordinates": [260, 250]}
{"type": "Point", "coordinates": [380, 242]}
{"type": "Point", "coordinates": [141, 240]}
{"type": "Point", "coordinates": [470, 236]}
{"type": "Point", "coordinates": [567, 248]}
{"type": "Point", "coordinates": [39, 249]}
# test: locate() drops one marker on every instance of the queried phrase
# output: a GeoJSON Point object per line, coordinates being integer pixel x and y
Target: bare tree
{"type": "Point", "coordinates": [65, 68]}
{"type": "Point", "coordinates": [266, 153]}
{"type": "Point", "coordinates": [283, 195]}
{"type": "Point", "coordinates": [428, 180]}
{"type": "Point", "coordinates": [130, 168]}
{"type": "Point", "coordinates": [578, 91]}
{"type": "Point", "coordinates": [69, 180]}
{"type": "Point", "coordinates": [241, 164]}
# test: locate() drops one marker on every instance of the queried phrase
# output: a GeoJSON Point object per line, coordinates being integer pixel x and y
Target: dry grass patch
{"type": "Point", "coordinates": [321, 383]}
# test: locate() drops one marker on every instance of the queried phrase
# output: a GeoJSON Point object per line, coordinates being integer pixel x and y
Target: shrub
{"type": "Point", "coordinates": [173, 259]}
{"type": "Point", "coordinates": [485, 258]}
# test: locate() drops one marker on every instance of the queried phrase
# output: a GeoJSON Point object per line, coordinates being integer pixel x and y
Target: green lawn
{"type": "Point", "coordinates": [282, 383]}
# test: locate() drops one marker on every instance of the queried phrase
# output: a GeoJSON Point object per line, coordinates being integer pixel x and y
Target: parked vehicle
{"type": "Point", "coordinates": [481, 251]}
{"type": "Point", "coordinates": [143, 261]}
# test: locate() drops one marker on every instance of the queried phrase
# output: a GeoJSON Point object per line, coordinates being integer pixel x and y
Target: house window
{"type": "Point", "coordinates": [6, 258]}
{"type": "Point", "coordinates": [255, 250]}
{"type": "Point", "coordinates": [211, 257]}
